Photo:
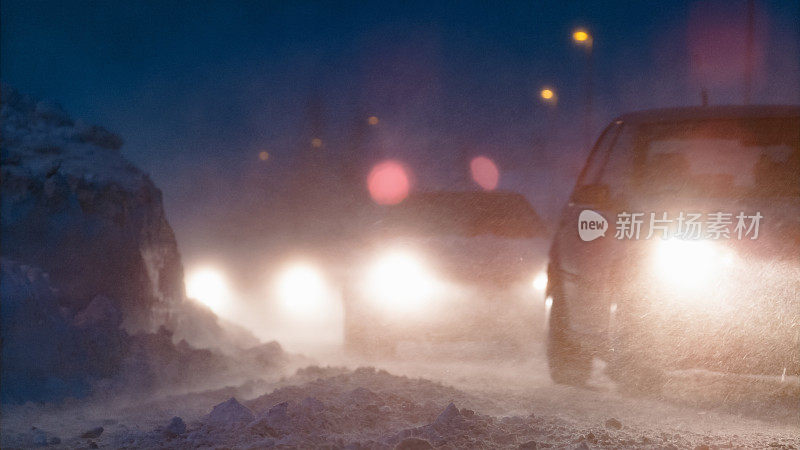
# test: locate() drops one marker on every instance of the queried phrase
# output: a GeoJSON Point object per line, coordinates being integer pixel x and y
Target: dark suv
{"type": "Point", "coordinates": [680, 247]}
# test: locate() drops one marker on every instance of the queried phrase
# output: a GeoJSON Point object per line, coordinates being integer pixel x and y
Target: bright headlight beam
{"type": "Point", "coordinates": [689, 264]}
{"type": "Point", "coordinates": [400, 282]}
{"type": "Point", "coordinates": [302, 291]}
{"type": "Point", "coordinates": [208, 286]}
{"type": "Point", "coordinates": [540, 281]}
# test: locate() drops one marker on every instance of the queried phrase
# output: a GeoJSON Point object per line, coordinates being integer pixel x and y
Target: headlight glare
{"type": "Point", "coordinates": [540, 281]}
{"type": "Point", "coordinates": [400, 281]}
{"type": "Point", "coordinates": [303, 291]}
{"type": "Point", "coordinates": [690, 264]}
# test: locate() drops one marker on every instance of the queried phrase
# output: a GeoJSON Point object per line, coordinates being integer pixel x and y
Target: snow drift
{"type": "Point", "coordinates": [92, 281]}
{"type": "Point", "coordinates": [73, 206]}
{"type": "Point", "coordinates": [331, 407]}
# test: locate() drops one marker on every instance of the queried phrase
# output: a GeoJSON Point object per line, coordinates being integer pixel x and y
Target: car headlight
{"type": "Point", "coordinates": [687, 264]}
{"type": "Point", "coordinates": [303, 291]}
{"type": "Point", "coordinates": [539, 282]}
{"type": "Point", "coordinates": [209, 286]}
{"type": "Point", "coordinates": [400, 282]}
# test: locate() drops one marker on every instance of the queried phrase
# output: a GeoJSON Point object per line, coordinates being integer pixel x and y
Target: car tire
{"type": "Point", "coordinates": [632, 363]}
{"type": "Point", "coordinates": [568, 361]}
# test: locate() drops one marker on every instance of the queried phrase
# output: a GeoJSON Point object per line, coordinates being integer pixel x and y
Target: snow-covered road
{"type": "Point", "coordinates": [694, 402]}
{"type": "Point", "coordinates": [496, 403]}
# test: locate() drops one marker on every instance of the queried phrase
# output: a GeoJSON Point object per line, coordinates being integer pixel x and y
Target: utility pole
{"type": "Point", "coordinates": [748, 64]}
{"type": "Point", "coordinates": [582, 38]}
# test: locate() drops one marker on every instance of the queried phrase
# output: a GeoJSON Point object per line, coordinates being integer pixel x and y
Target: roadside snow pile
{"type": "Point", "coordinates": [229, 412]}
{"type": "Point", "coordinates": [92, 280]}
{"type": "Point", "coordinates": [50, 352]}
{"type": "Point", "coordinates": [366, 408]}
{"type": "Point", "coordinates": [74, 207]}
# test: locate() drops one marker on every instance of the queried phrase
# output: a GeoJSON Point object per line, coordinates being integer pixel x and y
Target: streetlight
{"type": "Point", "coordinates": [548, 95]}
{"type": "Point", "coordinates": [583, 38]}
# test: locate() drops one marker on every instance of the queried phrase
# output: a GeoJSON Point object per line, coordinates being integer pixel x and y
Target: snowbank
{"type": "Point", "coordinates": [73, 206]}
{"type": "Point", "coordinates": [93, 293]}
{"type": "Point", "coordinates": [368, 408]}
{"type": "Point", "coordinates": [51, 352]}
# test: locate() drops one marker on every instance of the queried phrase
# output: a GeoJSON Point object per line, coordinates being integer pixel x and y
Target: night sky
{"type": "Point", "coordinates": [198, 89]}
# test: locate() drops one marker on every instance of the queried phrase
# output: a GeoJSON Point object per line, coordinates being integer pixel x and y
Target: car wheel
{"type": "Point", "coordinates": [632, 363]}
{"type": "Point", "coordinates": [568, 361]}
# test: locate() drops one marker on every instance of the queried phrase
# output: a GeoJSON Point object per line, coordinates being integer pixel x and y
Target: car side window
{"type": "Point", "coordinates": [616, 171]}
{"type": "Point", "coordinates": [597, 159]}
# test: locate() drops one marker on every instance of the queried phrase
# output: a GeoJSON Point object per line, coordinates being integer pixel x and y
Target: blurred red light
{"type": "Point", "coordinates": [388, 183]}
{"type": "Point", "coordinates": [484, 172]}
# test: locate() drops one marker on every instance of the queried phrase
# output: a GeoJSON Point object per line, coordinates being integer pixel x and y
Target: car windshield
{"type": "Point", "coordinates": [720, 158]}
{"type": "Point", "coordinates": [463, 214]}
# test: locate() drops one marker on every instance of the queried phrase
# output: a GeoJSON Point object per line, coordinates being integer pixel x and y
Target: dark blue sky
{"type": "Point", "coordinates": [197, 89]}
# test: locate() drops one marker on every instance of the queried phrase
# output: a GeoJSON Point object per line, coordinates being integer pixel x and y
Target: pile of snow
{"type": "Point", "coordinates": [368, 408]}
{"type": "Point", "coordinates": [93, 285]}
{"type": "Point", "coordinates": [73, 206]}
{"type": "Point", "coordinates": [50, 352]}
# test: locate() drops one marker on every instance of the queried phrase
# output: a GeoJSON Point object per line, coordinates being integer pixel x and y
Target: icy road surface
{"type": "Point", "coordinates": [444, 397]}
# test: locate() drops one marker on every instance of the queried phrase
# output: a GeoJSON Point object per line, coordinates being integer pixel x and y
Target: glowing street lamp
{"type": "Point", "coordinates": [582, 38]}
{"type": "Point", "coordinates": [548, 95]}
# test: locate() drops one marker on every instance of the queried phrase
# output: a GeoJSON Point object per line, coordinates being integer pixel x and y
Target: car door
{"type": "Point", "coordinates": [583, 255]}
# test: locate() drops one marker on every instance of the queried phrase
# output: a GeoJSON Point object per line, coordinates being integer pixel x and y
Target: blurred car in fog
{"type": "Point", "coordinates": [681, 297]}
{"type": "Point", "coordinates": [446, 266]}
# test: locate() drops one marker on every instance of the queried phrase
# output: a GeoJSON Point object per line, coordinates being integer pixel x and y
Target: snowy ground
{"type": "Point", "coordinates": [428, 397]}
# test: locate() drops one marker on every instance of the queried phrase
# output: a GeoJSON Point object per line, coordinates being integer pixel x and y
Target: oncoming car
{"type": "Point", "coordinates": [680, 248]}
{"type": "Point", "coordinates": [447, 266]}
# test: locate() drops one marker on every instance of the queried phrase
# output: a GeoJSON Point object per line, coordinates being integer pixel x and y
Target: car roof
{"type": "Point", "coordinates": [477, 195]}
{"type": "Point", "coordinates": [710, 112]}
{"type": "Point", "coordinates": [485, 201]}
{"type": "Point", "coordinates": [489, 205]}
{"type": "Point", "coordinates": [470, 202]}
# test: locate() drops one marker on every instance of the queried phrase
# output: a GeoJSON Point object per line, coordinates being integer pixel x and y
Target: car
{"type": "Point", "coordinates": [446, 266]}
{"type": "Point", "coordinates": [720, 291]}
